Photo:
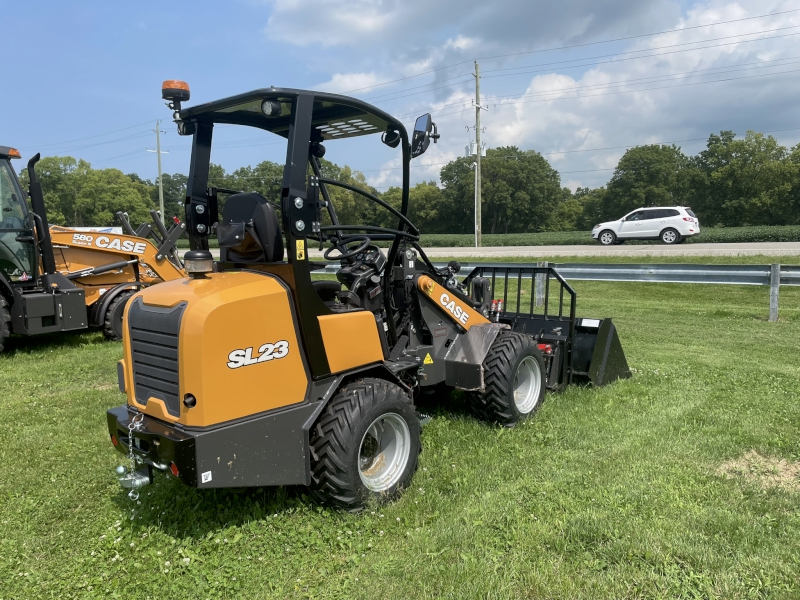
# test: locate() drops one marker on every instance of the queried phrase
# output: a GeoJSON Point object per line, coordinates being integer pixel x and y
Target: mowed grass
{"type": "Point", "coordinates": [608, 493]}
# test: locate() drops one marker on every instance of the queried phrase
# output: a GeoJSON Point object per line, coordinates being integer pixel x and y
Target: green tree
{"type": "Point", "coordinates": [351, 208]}
{"type": "Point", "coordinates": [519, 189]}
{"type": "Point", "coordinates": [591, 201]}
{"type": "Point", "coordinates": [77, 195]}
{"type": "Point", "coordinates": [650, 175]}
{"type": "Point", "coordinates": [457, 212]}
{"type": "Point", "coordinates": [786, 210]}
{"type": "Point", "coordinates": [425, 201]}
{"type": "Point", "coordinates": [174, 193]}
{"type": "Point", "coordinates": [739, 182]}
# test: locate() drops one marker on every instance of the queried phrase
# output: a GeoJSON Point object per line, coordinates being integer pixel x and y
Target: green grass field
{"type": "Point", "coordinates": [761, 233]}
{"type": "Point", "coordinates": [617, 492]}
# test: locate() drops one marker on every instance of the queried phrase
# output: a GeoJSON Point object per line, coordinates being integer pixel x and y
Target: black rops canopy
{"type": "Point", "coordinates": [334, 116]}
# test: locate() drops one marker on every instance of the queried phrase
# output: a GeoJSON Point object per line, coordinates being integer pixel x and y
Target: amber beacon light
{"type": "Point", "coordinates": [175, 90]}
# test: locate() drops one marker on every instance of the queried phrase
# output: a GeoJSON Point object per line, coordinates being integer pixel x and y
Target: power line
{"type": "Point", "coordinates": [586, 171]}
{"type": "Point", "coordinates": [618, 54]}
{"type": "Point", "coordinates": [106, 160]}
{"type": "Point", "coordinates": [114, 141]}
{"type": "Point", "coordinates": [657, 78]}
{"type": "Point", "coordinates": [553, 49]}
{"type": "Point", "coordinates": [89, 137]}
{"type": "Point", "coordinates": [604, 62]}
{"type": "Point", "coordinates": [632, 91]}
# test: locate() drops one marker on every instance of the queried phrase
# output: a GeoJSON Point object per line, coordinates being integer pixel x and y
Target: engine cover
{"type": "Point", "coordinates": [206, 351]}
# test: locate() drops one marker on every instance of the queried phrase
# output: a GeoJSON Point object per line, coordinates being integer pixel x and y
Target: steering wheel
{"type": "Point", "coordinates": [343, 247]}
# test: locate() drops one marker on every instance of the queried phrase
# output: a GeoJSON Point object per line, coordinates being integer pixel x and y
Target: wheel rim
{"type": "Point", "coordinates": [606, 238]}
{"type": "Point", "coordinates": [527, 385]}
{"type": "Point", "coordinates": [668, 237]}
{"type": "Point", "coordinates": [384, 451]}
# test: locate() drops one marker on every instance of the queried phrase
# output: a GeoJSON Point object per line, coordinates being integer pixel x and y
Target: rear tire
{"type": "Point", "coordinates": [607, 237]}
{"type": "Point", "coordinates": [365, 445]}
{"type": "Point", "coordinates": [514, 380]}
{"type": "Point", "coordinates": [112, 324]}
{"type": "Point", "coordinates": [670, 236]}
{"type": "Point", "coordinates": [5, 319]}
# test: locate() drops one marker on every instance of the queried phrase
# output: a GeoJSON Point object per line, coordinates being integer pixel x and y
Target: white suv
{"type": "Point", "coordinates": [670, 224]}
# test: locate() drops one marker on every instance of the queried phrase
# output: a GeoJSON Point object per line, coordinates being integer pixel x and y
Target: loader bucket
{"type": "Point", "coordinates": [538, 301]}
{"type": "Point", "coordinates": [597, 355]}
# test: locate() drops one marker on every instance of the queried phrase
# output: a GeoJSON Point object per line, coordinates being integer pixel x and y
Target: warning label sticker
{"type": "Point", "coordinates": [428, 360]}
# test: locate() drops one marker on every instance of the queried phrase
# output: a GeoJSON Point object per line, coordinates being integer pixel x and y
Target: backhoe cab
{"type": "Point", "coordinates": [55, 279]}
{"type": "Point", "coordinates": [255, 372]}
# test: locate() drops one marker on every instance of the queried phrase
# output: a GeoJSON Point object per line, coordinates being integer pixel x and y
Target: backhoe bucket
{"type": "Point", "coordinates": [597, 354]}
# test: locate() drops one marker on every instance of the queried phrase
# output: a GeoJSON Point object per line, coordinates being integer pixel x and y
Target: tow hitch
{"type": "Point", "coordinates": [134, 480]}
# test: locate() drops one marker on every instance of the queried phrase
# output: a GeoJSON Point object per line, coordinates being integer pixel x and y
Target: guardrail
{"type": "Point", "coordinates": [774, 275]}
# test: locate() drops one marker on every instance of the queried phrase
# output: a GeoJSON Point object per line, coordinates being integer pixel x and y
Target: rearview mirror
{"type": "Point", "coordinates": [424, 131]}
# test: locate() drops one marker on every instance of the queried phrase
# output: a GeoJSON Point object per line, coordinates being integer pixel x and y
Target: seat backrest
{"type": "Point", "coordinates": [249, 230]}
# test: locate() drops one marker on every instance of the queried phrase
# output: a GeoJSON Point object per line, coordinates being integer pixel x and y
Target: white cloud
{"type": "Point", "coordinates": [461, 43]}
{"type": "Point", "coordinates": [617, 100]}
{"type": "Point", "coordinates": [345, 82]}
{"type": "Point", "coordinates": [328, 22]}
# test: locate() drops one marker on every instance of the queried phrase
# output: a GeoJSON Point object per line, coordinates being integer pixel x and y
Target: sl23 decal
{"type": "Point", "coordinates": [266, 352]}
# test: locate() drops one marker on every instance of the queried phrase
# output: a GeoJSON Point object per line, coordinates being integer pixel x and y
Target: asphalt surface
{"type": "Point", "coordinates": [749, 249]}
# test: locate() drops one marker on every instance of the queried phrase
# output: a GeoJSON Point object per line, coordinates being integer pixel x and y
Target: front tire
{"type": "Point", "coordinates": [670, 236]}
{"type": "Point", "coordinates": [5, 320]}
{"type": "Point", "coordinates": [514, 380]}
{"type": "Point", "coordinates": [365, 445]}
{"type": "Point", "coordinates": [112, 324]}
{"type": "Point", "coordinates": [607, 237]}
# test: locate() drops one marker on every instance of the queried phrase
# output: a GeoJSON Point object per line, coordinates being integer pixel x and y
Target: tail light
{"type": "Point", "coordinates": [173, 468]}
{"type": "Point", "coordinates": [114, 440]}
{"type": "Point", "coordinates": [546, 348]}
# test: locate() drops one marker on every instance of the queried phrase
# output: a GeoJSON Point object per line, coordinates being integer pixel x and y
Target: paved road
{"type": "Point", "coordinates": [750, 249]}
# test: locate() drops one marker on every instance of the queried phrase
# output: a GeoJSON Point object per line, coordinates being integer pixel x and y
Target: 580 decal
{"type": "Point", "coordinates": [103, 241]}
{"type": "Point", "coordinates": [266, 352]}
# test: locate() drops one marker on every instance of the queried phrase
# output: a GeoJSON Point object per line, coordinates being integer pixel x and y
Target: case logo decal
{"type": "Point", "coordinates": [454, 309]}
{"type": "Point", "coordinates": [266, 352]}
{"type": "Point", "coordinates": [118, 244]}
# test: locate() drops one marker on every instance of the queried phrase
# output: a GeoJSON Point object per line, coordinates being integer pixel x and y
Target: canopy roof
{"type": "Point", "coordinates": [334, 116]}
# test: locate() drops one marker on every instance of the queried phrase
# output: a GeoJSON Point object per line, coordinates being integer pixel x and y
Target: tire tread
{"type": "Point", "coordinates": [493, 403]}
{"type": "Point", "coordinates": [334, 429]}
{"type": "Point", "coordinates": [108, 320]}
{"type": "Point", "coordinates": [5, 320]}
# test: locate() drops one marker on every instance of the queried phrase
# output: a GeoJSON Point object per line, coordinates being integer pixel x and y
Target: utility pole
{"type": "Point", "coordinates": [478, 108]}
{"type": "Point", "coordinates": [160, 183]}
{"type": "Point", "coordinates": [474, 167]}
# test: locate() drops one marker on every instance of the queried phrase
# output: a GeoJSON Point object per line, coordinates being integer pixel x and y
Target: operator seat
{"type": "Point", "coordinates": [249, 231]}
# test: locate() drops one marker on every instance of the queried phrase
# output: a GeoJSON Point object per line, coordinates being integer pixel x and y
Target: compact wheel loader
{"type": "Point", "coordinates": [252, 371]}
{"type": "Point", "coordinates": [60, 279]}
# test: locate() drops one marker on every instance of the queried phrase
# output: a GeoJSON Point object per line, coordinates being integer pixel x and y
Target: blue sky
{"type": "Point", "coordinates": [83, 79]}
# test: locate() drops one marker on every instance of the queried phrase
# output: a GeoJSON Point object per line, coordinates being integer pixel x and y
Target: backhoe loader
{"type": "Point", "coordinates": [60, 279]}
{"type": "Point", "coordinates": [253, 371]}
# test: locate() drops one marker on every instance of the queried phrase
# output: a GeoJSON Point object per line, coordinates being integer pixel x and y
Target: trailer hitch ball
{"type": "Point", "coordinates": [131, 480]}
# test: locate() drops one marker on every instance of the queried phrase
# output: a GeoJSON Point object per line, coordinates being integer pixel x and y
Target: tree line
{"type": "Point", "coordinates": [732, 182]}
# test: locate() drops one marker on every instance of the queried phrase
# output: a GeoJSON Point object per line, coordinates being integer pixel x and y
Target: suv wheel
{"type": "Point", "coordinates": [670, 236]}
{"type": "Point", "coordinates": [606, 237]}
